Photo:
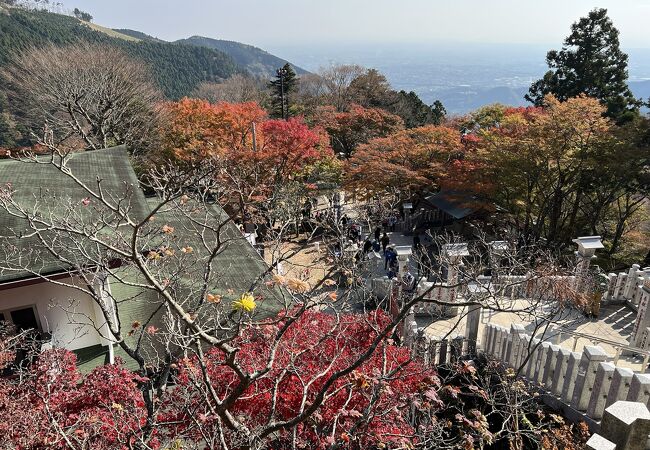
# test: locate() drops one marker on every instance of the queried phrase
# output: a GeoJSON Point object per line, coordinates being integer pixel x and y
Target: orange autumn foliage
{"type": "Point", "coordinates": [409, 161]}
{"type": "Point", "coordinates": [223, 133]}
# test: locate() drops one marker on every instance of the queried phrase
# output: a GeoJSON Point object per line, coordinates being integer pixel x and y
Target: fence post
{"type": "Point", "coordinates": [531, 365]}
{"type": "Point", "coordinates": [627, 424]}
{"type": "Point", "coordinates": [559, 375]}
{"type": "Point", "coordinates": [570, 376]}
{"type": "Point", "coordinates": [597, 442]}
{"type": "Point", "coordinates": [602, 384]}
{"type": "Point", "coordinates": [549, 366]}
{"type": "Point", "coordinates": [591, 357]}
{"type": "Point", "coordinates": [620, 386]}
{"type": "Point", "coordinates": [639, 389]}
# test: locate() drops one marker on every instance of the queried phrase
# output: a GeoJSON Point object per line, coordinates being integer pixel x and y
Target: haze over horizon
{"type": "Point", "coordinates": [358, 22]}
{"type": "Point", "coordinates": [465, 54]}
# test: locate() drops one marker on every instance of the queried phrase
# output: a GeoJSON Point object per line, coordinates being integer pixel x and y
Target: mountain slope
{"type": "Point", "coordinates": [257, 61]}
{"type": "Point", "coordinates": [139, 35]}
{"type": "Point", "coordinates": [178, 69]}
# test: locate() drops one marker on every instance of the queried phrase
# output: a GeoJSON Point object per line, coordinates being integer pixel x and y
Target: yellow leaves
{"type": "Point", "coordinates": [213, 298]}
{"type": "Point", "coordinates": [298, 286]}
{"type": "Point", "coordinates": [245, 303]}
{"type": "Point", "coordinates": [167, 229]}
{"type": "Point", "coordinates": [117, 407]}
{"type": "Point", "coordinates": [153, 255]}
{"type": "Point", "coordinates": [359, 380]}
{"type": "Point", "coordinates": [279, 279]}
{"type": "Point", "coordinates": [187, 249]}
{"type": "Point", "coordinates": [329, 282]}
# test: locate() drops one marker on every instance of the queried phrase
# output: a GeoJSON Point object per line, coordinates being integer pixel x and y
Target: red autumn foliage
{"type": "Point", "coordinates": [407, 161]}
{"type": "Point", "coordinates": [101, 410]}
{"type": "Point", "coordinates": [357, 126]}
{"type": "Point", "coordinates": [223, 133]}
{"type": "Point", "coordinates": [105, 410]}
{"type": "Point", "coordinates": [314, 348]}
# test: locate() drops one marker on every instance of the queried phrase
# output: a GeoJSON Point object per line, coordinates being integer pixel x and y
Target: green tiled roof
{"type": "Point", "coordinates": [237, 268]}
{"type": "Point", "coordinates": [42, 186]}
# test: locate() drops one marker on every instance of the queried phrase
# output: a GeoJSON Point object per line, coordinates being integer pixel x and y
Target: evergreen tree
{"type": "Point", "coordinates": [415, 112]}
{"type": "Point", "coordinates": [281, 89]}
{"type": "Point", "coordinates": [6, 135]}
{"type": "Point", "coordinates": [592, 63]}
{"type": "Point", "coordinates": [439, 112]}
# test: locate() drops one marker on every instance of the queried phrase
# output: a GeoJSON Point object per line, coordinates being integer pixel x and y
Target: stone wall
{"type": "Point", "coordinates": [586, 386]}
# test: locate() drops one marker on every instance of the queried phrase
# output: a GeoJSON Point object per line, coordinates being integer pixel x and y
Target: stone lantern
{"type": "Point", "coordinates": [497, 250]}
{"type": "Point", "coordinates": [587, 246]}
{"type": "Point", "coordinates": [404, 253]}
{"type": "Point", "coordinates": [454, 254]}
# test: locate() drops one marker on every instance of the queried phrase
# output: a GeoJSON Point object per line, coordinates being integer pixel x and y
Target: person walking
{"type": "Point", "coordinates": [385, 240]}
{"type": "Point", "coordinates": [377, 234]}
{"type": "Point", "coordinates": [392, 221]}
{"type": "Point", "coordinates": [367, 246]}
{"type": "Point", "coordinates": [416, 243]}
{"type": "Point", "coordinates": [388, 257]}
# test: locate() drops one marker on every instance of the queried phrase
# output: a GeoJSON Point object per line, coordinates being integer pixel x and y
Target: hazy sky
{"type": "Point", "coordinates": [268, 23]}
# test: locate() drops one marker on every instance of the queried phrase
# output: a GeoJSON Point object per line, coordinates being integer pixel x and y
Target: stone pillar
{"type": "Point", "coordinates": [524, 350]}
{"type": "Point", "coordinates": [531, 366]}
{"type": "Point", "coordinates": [620, 386]}
{"type": "Point", "coordinates": [559, 375]}
{"type": "Point", "coordinates": [443, 352]}
{"type": "Point", "coordinates": [544, 349]}
{"type": "Point", "coordinates": [549, 366]}
{"type": "Point", "coordinates": [597, 442]}
{"type": "Point", "coordinates": [620, 285]}
{"type": "Point", "coordinates": [631, 282]}
{"type": "Point", "coordinates": [471, 328]}
{"type": "Point", "coordinates": [639, 389]}
{"type": "Point", "coordinates": [487, 338]}
{"type": "Point", "coordinates": [498, 249]}
{"type": "Point", "coordinates": [454, 254]}
{"type": "Point", "coordinates": [506, 340]}
{"type": "Point", "coordinates": [602, 384]}
{"type": "Point", "coordinates": [611, 286]}
{"type": "Point", "coordinates": [570, 376]}
{"type": "Point", "coordinates": [499, 341]}
{"type": "Point", "coordinates": [641, 323]}
{"type": "Point", "coordinates": [514, 342]}
{"type": "Point", "coordinates": [456, 348]}
{"type": "Point", "coordinates": [432, 350]}
{"type": "Point", "coordinates": [591, 357]}
{"type": "Point", "coordinates": [627, 424]}
{"type": "Point", "coordinates": [587, 246]}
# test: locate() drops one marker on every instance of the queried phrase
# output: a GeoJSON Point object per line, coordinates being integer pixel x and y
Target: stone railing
{"type": "Point", "coordinates": [628, 286]}
{"type": "Point", "coordinates": [585, 386]}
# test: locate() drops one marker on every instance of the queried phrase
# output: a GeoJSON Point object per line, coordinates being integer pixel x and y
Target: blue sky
{"type": "Point", "coordinates": [269, 23]}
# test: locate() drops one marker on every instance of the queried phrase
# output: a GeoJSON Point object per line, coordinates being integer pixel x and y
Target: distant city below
{"type": "Point", "coordinates": [463, 76]}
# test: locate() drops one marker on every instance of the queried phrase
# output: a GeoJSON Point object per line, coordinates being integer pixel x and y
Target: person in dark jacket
{"type": "Point", "coordinates": [390, 256]}
{"type": "Point", "coordinates": [385, 240]}
{"type": "Point", "coordinates": [416, 243]}
{"type": "Point", "coordinates": [377, 234]}
{"type": "Point", "coordinates": [367, 245]}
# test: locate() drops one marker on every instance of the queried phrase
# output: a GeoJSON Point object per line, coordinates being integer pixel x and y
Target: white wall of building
{"type": "Point", "coordinates": [64, 312]}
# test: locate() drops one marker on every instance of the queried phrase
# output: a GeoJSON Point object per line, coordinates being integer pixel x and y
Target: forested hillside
{"type": "Point", "coordinates": [257, 61]}
{"type": "Point", "coordinates": [178, 69]}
